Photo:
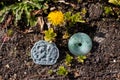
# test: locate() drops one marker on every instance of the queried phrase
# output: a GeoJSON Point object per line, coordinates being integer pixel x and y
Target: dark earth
{"type": "Point", "coordinates": [102, 63]}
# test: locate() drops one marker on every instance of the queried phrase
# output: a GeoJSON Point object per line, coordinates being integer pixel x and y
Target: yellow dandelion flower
{"type": "Point", "coordinates": [56, 18]}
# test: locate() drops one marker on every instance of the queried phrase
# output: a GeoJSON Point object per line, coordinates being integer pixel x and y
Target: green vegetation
{"type": "Point", "coordinates": [62, 71]}
{"type": "Point", "coordinates": [73, 18]}
{"type": "Point", "coordinates": [50, 71]}
{"type": "Point", "coordinates": [115, 11]}
{"type": "Point", "coordinates": [83, 11]}
{"type": "Point", "coordinates": [10, 32]}
{"type": "Point", "coordinates": [68, 59]}
{"type": "Point", "coordinates": [115, 2]}
{"type": "Point", "coordinates": [81, 58]}
{"type": "Point", "coordinates": [50, 35]}
{"type": "Point", "coordinates": [108, 10]}
{"type": "Point", "coordinates": [25, 7]}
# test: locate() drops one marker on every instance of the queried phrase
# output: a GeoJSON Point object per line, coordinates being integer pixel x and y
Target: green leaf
{"type": "Point", "coordinates": [73, 18]}
{"type": "Point", "coordinates": [3, 13]}
{"type": "Point", "coordinates": [68, 15]}
{"type": "Point", "coordinates": [18, 14]}
{"type": "Point", "coordinates": [33, 21]}
{"type": "Point", "coordinates": [62, 71]}
{"type": "Point", "coordinates": [10, 32]}
{"type": "Point", "coordinates": [83, 11]}
{"type": "Point", "coordinates": [68, 59]}
{"type": "Point", "coordinates": [115, 2]}
{"type": "Point", "coordinates": [81, 58]}
{"type": "Point", "coordinates": [3, 16]}
{"type": "Point", "coordinates": [50, 71]}
{"type": "Point", "coordinates": [19, 8]}
{"type": "Point", "coordinates": [50, 35]}
{"type": "Point", "coordinates": [108, 10]}
{"type": "Point", "coordinates": [28, 16]}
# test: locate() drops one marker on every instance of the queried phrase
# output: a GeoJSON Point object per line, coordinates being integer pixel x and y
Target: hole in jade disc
{"type": "Point", "coordinates": [79, 44]}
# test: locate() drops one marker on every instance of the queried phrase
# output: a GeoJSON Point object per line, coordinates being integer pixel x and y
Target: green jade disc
{"type": "Point", "coordinates": [80, 44]}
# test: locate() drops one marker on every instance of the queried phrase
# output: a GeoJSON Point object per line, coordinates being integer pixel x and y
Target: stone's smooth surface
{"type": "Point", "coordinates": [80, 44]}
{"type": "Point", "coordinates": [44, 53]}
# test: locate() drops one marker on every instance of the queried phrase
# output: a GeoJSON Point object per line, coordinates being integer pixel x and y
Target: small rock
{"type": "Point", "coordinates": [7, 66]}
{"type": "Point", "coordinates": [95, 11]}
{"type": "Point", "coordinates": [114, 60]}
{"type": "Point", "coordinates": [25, 72]}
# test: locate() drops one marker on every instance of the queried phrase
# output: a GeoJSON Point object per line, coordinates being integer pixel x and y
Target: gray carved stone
{"type": "Point", "coordinates": [44, 53]}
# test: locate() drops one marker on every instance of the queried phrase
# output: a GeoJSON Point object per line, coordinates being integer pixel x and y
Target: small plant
{"type": "Point", "coordinates": [50, 35]}
{"type": "Point", "coordinates": [50, 71]}
{"type": "Point", "coordinates": [68, 59]}
{"type": "Point", "coordinates": [108, 10]}
{"type": "Point", "coordinates": [62, 71]}
{"type": "Point", "coordinates": [56, 18]}
{"type": "Point", "coordinates": [10, 32]}
{"type": "Point", "coordinates": [81, 58]}
{"type": "Point", "coordinates": [83, 11]}
{"type": "Point", "coordinates": [73, 18]}
{"type": "Point", "coordinates": [66, 35]}
{"type": "Point", "coordinates": [18, 8]}
{"type": "Point", "coordinates": [115, 2]}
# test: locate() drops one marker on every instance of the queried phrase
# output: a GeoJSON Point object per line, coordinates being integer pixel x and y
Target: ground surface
{"type": "Point", "coordinates": [103, 63]}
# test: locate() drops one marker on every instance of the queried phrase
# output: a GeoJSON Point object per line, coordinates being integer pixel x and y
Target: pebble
{"type": "Point", "coordinates": [7, 66]}
{"type": "Point", "coordinates": [95, 11]}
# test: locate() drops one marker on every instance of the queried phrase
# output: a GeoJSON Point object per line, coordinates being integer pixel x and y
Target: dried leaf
{"type": "Point", "coordinates": [41, 23]}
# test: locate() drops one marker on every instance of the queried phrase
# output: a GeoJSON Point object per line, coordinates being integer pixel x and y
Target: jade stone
{"type": "Point", "coordinates": [80, 44]}
{"type": "Point", "coordinates": [44, 53]}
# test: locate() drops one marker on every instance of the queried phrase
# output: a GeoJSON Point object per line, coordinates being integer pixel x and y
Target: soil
{"type": "Point", "coordinates": [102, 63]}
